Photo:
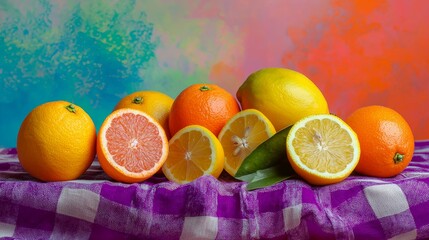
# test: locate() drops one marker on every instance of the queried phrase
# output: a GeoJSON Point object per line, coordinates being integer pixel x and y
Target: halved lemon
{"type": "Point", "coordinates": [241, 135]}
{"type": "Point", "coordinates": [322, 149]}
{"type": "Point", "coordinates": [194, 151]}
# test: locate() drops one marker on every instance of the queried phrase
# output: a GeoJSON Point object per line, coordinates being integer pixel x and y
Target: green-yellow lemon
{"type": "Point", "coordinates": [284, 96]}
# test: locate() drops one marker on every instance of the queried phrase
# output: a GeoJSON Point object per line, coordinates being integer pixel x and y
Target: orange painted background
{"type": "Point", "coordinates": [358, 52]}
{"type": "Point", "coordinates": [94, 52]}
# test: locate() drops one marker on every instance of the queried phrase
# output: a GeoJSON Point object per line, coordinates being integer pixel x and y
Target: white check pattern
{"type": "Point", "coordinates": [94, 207]}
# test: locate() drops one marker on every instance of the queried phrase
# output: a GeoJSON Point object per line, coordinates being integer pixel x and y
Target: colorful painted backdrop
{"type": "Point", "coordinates": [95, 52]}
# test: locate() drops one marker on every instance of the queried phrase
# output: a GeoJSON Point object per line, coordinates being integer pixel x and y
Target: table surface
{"type": "Point", "coordinates": [95, 207]}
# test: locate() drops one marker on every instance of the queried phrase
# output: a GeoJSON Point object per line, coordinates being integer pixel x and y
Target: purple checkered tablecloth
{"type": "Point", "coordinates": [94, 207]}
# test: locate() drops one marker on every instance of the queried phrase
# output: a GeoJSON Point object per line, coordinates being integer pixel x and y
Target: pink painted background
{"type": "Point", "coordinates": [358, 52]}
{"type": "Point", "coordinates": [95, 52]}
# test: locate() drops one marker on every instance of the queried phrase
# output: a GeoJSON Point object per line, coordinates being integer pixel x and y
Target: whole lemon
{"type": "Point", "coordinates": [56, 141]}
{"type": "Point", "coordinates": [284, 96]}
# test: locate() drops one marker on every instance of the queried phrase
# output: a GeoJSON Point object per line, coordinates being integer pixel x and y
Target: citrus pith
{"type": "Point", "coordinates": [154, 103]}
{"type": "Point", "coordinates": [241, 135]}
{"type": "Point", "coordinates": [194, 151]}
{"type": "Point", "coordinates": [322, 149]}
{"type": "Point", "coordinates": [131, 145]}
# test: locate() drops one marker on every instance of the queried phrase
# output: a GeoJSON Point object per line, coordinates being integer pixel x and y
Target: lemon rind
{"type": "Point", "coordinates": [251, 111]}
{"type": "Point", "coordinates": [326, 175]}
{"type": "Point", "coordinates": [217, 153]}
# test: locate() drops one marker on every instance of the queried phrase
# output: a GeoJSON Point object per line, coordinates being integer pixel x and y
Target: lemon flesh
{"type": "Point", "coordinates": [322, 149]}
{"type": "Point", "coordinates": [241, 135]}
{"type": "Point", "coordinates": [194, 151]}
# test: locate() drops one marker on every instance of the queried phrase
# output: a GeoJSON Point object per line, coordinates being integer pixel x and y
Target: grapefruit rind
{"type": "Point", "coordinates": [116, 171]}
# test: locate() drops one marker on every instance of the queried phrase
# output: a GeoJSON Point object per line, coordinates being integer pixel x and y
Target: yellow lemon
{"type": "Point", "coordinates": [322, 149]}
{"type": "Point", "coordinates": [284, 96]}
{"type": "Point", "coordinates": [194, 151]}
{"type": "Point", "coordinates": [241, 135]}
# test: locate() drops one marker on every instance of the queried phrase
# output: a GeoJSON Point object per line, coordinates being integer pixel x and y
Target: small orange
{"type": "Point", "coordinates": [131, 145]}
{"type": "Point", "coordinates": [56, 141]}
{"type": "Point", "coordinates": [207, 105]}
{"type": "Point", "coordinates": [154, 103]}
{"type": "Point", "coordinates": [386, 139]}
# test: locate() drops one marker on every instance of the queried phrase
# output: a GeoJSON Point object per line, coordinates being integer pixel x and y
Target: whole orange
{"type": "Point", "coordinates": [56, 141]}
{"type": "Point", "coordinates": [154, 103]}
{"type": "Point", "coordinates": [207, 105]}
{"type": "Point", "coordinates": [386, 141]}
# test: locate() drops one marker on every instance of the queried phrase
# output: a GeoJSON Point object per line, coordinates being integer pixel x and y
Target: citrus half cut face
{"type": "Point", "coordinates": [194, 151]}
{"type": "Point", "coordinates": [241, 135]}
{"type": "Point", "coordinates": [132, 146]}
{"type": "Point", "coordinates": [322, 149]}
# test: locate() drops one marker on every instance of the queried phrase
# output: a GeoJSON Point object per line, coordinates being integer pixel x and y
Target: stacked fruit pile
{"type": "Point", "coordinates": [279, 127]}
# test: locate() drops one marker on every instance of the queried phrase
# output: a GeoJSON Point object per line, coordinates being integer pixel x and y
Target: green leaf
{"type": "Point", "coordinates": [268, 177]}
{"type": "Point", "coordinates": [268, 154]}
{"type": "Point", "coordinates": [267, 164]}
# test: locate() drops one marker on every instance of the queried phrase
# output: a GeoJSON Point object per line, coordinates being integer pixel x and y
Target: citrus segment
{"type": "Point", "coordinates": [322, 149]}
{"type": "Point", "coordinates": [241, 135]}
{"type": "Point", "coordinates": [194, 151]}
{"type": "Point", "coordinates": [132, 146]}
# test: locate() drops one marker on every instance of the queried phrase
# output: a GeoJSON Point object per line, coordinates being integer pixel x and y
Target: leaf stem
{"type": "Point", "coordinates": [204, 88]}
{"type": "Point", "coordinates": [398, 158]}
{"type": "Point", "coordinates": [71, 108]}
{"type": "Point", "coordinates": [138, 100]}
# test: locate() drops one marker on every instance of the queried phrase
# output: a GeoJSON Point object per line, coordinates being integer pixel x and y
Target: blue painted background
{"type": "Point", "coordinates": [59, 50]}
{"type": "Point", "coordinates": [93, 52]}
